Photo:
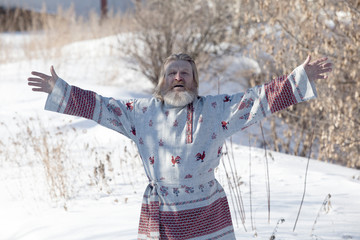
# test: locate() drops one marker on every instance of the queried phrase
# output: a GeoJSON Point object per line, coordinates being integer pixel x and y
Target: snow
{"type": "Point", "coordinates": [109, 208]}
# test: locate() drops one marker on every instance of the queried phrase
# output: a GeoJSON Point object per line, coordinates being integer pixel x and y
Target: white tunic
{"type": "Point", "coordinates": [181, 146]}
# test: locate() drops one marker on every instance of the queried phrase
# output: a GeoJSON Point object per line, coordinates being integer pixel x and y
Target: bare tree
{"type": "Point", "coordinates": [104, 8]}
{"type": "Point", "coordinates": [330, 29]}
{"type": "Point", "coordinates": [164, 27]}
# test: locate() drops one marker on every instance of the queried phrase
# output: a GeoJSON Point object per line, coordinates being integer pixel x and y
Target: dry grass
{"type": "Point", "coordinates": [58, 168]}
{"type": "Point", "coordinates": [115, 166]}
{"type": "Point", "coordinates": [31, 146]}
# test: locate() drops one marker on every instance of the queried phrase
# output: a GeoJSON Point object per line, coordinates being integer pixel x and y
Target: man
{"type": "Point", "coordinates": [180, 135]}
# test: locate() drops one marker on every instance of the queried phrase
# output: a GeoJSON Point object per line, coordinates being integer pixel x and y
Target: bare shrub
{"type": "Point", "coordinates": [281, 35]}
{"type": "Point", "coordinates": [160, 28]}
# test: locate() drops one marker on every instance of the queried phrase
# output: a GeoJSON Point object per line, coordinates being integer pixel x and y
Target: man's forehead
{"type": "Point", "coordinates": [175, 64]}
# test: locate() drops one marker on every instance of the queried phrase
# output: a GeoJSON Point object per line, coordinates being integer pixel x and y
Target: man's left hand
{"type": "Point", "coordinates": [315, 70]}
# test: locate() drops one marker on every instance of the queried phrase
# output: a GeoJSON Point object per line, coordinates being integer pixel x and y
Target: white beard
{"type": "Point", "coordinates": [179, 99]}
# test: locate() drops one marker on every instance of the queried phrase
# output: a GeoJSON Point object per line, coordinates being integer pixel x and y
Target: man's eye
{"type": "Point", "coordinates": [184, 73]}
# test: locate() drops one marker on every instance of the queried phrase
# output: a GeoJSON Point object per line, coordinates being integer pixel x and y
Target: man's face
{"type": "Point", "coordinates": [179, 76]}
{"type": "Point", "coordinates": [179, 87]}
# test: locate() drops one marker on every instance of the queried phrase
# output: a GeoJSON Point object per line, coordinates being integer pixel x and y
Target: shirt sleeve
{"type": "Point", "coordinates": [241, 110]}
{"type": "Point", "coordinates": [117, 115]}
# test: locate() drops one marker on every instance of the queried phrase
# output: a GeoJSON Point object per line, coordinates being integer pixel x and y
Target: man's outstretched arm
{"type": "Point", "coordinates": [244, 109]}
{"type": "Point", "coordinates": [63, 98]}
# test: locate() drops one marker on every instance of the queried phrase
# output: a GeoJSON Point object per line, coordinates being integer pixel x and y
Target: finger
{"type": "Point", "coordinates": [307, 60]}
{"type": "Point", "coordinates": [327, 65]}
{"type": "Point", "coordinates": [321, 77]}
{"type": "Point", "coordinates": [38, 89]}
{"type": "Point", "coordinates": [324, 70]}
{"type": "Point", "coordinates": [35, 79]}
{"type": "Point", "coordinates": [42, 89]}
{"type": "Point", "coordinates": [35, 84]}
{"type": "Point", "coordinates": [321, 71]}
{"type": "Point", "coordinates": [319, 61]}
{"type": "Point", "coordinates": [53, 73]}
{"type": "Point", "coordinates": [39, 74]}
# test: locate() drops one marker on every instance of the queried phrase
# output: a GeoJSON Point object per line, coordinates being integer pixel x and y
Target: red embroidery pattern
{"type": "Point", "coordinates": [114, 109]}
{"type": "Point", "coordinates": [149, 224]}
{"type": "Point", "coordinates": [188, 176]}
{"type": "Point", "coordinates": [189, 124]}
{"type": "Point", "coordinates": [175, 160]}
{"type": "Point", "coordinates": [227, 99]}
{"type": "Point", "coordinates": [279, 94]}
{"type": "Point", "coordinates": [133, 130]}
{"type": "Point", "coordinates": [224, 125]}
{"type": "Point", "coordinates": [176, 123]}
{"type": "Point", "coordinates": [246, 103]}
{"type": "Point", "coordinates": [200, 156]}
{"type": "Point", "coordinates": [219, 151]}
{"type": "Point", "coordinates": [187, 224]}
{"type": "Point", "coordinates": [81, 103]}
{"type": "Point", "coordinates": [211, 184]}
{"type": "Point", "coordinates": [129, 106]}
{"type": "Point", "coordinates": [114, 122]}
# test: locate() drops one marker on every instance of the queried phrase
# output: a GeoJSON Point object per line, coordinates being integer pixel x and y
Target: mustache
{"type": "Point", "coordinates": [165, 89]}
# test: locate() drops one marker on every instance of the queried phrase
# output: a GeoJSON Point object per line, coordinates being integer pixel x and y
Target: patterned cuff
{"type": "Point", "coordinates": [56, 98]}
{"type": "Point", "coordinates": [304, 88]}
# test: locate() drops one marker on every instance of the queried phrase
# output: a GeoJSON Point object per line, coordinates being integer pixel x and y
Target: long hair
{"type": "Point", "coordinates": [173, 57]}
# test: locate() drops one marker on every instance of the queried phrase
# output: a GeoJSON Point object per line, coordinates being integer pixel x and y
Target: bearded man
{"type": "Point", "coordinates": [180, 135]}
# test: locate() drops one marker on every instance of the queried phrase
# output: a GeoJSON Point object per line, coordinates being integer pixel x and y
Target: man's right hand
{"type": "Point", "coordinates": [43, 82]}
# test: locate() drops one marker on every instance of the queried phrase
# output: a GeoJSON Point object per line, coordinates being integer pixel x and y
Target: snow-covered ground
{"type": "Point", "coordinates": [109, 208]}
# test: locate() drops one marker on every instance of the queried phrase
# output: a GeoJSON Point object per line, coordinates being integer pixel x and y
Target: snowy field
{"type": "Point", "coordinates": [108, 206]}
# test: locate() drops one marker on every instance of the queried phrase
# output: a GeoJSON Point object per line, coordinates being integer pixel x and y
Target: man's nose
{"type": "Point", "coordinates": [178, 76]}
